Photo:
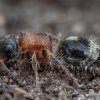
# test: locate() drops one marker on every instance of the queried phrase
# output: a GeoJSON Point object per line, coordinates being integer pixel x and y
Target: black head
{"type": "Point", "coordinates": [75, 48]}
{"type": "Point", "coordinates": [9, 46]}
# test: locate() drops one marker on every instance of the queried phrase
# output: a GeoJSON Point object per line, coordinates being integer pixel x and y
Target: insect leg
{"type": "Point", "coordinates": [8, 71]}
{"type": "Point", "coordinates": [35, 64]}
{"type": "Point", "coordinates": [59, 66]}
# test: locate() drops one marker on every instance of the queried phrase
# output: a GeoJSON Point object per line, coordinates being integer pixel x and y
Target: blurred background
{"type": "Point", "coordinates": [53, 16]}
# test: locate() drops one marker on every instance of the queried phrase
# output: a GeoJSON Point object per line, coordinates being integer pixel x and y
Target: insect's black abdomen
{"type": "Point", "coordinates": [78, 49]}
{"type": "Point", "coordinates": [74, 49]}
{"type": "Point", "coordinates": [9, 46]}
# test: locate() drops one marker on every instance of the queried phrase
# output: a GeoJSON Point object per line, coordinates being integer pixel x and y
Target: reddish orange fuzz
{"type": "Point", "coordinates": [36, 42]}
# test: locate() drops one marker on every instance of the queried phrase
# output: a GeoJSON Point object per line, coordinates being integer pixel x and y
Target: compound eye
{"type": "Point", "coordinates": [8, 48]}
{"type": "Point", "coordinates": [8, 51]}
{"type": "Point", "coordinates": [74, 49]}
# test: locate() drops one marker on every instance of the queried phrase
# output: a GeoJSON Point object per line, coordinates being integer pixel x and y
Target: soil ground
{"type": "Point", "coordinates": [53, 16]}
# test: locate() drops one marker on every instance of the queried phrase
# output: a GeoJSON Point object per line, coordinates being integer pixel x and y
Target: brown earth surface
{"type": "Point", "coordinates": [53, 16]}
